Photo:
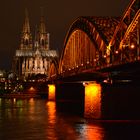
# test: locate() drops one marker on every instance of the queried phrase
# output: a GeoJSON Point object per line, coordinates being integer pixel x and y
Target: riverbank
{"type": "Point", "coordinates": [19, 95]}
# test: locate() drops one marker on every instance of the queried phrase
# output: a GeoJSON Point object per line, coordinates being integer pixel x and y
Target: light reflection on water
{"type": "Point", "coordinates": [90, 132]}
{"type": "Point", "coordinates": [52, 112]}
{"type": "Point", "coordinates": [38, 119]}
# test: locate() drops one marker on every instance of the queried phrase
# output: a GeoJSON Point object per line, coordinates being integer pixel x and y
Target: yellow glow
{"type": "Point", "coordinates": [51, 92]}
{"type": "Point", "coordinates": [116, 52]}
{"type": "Point", "coordinates": [51, 111]}
{"type": "Point", "coordinates": [108, 50]}
{"type": "Point", "coordinates": [14, 100]}
{"type": "Point", "coordinates": [31, 89]}
{"type": "Point", "coordinates": [31, 101]}
{"type": "Point", "coordinates": [93, 132]}
{"type": "Point", "coordinates": [92, 100]}
{"type": "Point", "coordinates": [51, 107]}
{"type": "Point", "coordinates": [32, 108]}
{"type": "Point", "coordinates": [132, 46]}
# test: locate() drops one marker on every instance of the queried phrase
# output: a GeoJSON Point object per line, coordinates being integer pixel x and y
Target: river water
{"type": "Point", "coordinates": [39, 119]}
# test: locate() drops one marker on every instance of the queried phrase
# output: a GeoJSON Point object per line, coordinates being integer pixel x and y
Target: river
{"type": "Point", "coordinates": [39, 119]}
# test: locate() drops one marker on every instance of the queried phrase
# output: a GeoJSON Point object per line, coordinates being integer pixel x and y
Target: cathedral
{"type": "Point", "coordinates": [33, 55]}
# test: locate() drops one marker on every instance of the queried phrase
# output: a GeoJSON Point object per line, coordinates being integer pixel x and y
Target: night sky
{"type": "Point", "coordinates": [59, 16]}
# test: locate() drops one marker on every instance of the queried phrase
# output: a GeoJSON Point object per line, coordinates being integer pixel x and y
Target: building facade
{"type": "Point", "coordinates": [33, 55]}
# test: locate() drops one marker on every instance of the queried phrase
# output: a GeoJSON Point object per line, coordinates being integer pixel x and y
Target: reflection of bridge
{"type": "Point", "coordinates": [95, 44]}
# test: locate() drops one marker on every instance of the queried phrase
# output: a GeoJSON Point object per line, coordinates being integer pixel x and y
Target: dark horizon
{"type": "Point", "coordinates": [59, 16]}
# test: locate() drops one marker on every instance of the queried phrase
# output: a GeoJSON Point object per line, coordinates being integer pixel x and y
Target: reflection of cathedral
{"type": "Point", "coordinates": [33, 56]}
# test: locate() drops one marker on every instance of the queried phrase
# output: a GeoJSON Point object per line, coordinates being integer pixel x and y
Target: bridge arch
{"type": "Point", "coordinates": [93, 42]}
{"type": "Point", "coordinates": [86, 44]}
{"type": "Point", "coordinates": [53, 71]}
{"type": "Point", "coordinates": [126, 37]}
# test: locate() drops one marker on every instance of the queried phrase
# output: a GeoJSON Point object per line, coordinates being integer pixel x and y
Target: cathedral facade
{"type": "Point", "coordinates": [33, 55]}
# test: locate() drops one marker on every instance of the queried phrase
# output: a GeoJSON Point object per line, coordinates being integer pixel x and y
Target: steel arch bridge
{"type": "Point", "coordinates": [94, 43]}
{"type": "Point", "coordinates": [53, 71]}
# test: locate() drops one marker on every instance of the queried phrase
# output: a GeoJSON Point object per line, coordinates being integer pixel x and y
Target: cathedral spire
{"type": "Point", "coordinates": [43, 35]}
{"type": "Point", "coordinates": [26, 26]}
{"type": "Point", "coordinates": [42, 22]}
{"type": "Point", "coordinates": [26, 38]}
{"type": "Point", "coordinates": [36, 38]}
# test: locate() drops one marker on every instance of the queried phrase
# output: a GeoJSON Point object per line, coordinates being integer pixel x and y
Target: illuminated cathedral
{"type": "Point", "coordinates": [33, 55]}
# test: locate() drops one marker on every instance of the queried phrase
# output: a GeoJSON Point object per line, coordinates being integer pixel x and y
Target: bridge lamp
{"type": "Point", "coordinates": [132, 46]}
{"type": "Point", "coordinates": [116, 52]}
{"type": "Point", "coordinates": [124, 46]}
{"type": "Point", "coordinates": [85, 83]}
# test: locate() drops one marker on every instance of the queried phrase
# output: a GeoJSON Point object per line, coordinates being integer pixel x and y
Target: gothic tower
{"type": "Point", "coordinates": [42, 34]}
{"type": "Point", "coordinates": [26, 37]}
{"type": "Point", "coordinates": [34, 55]}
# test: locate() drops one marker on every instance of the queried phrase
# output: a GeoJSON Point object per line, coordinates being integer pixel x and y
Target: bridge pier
{"type": "Point", "coordinates": [81, 98]}
{"type": "Point", "coordinates": [96, 101]}
{"type": "Point", "coordinates": [70, 98]}
{"type": "Point", "coordinates": [69, 91]}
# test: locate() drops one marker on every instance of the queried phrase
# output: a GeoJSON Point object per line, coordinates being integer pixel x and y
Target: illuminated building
{"type": "Point", "coordinates": [33, 55]}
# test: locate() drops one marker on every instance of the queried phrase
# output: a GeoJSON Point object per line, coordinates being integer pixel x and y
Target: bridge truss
{"type": "Point", "coordinates": [94, 43]}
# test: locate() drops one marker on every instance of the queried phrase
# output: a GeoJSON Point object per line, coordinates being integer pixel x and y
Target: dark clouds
{"type": "Point", "coordinates": [59, 16]}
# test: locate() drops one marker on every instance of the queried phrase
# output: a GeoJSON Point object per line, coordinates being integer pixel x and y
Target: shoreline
{"type": "Point", "coordinates": [19, 95]}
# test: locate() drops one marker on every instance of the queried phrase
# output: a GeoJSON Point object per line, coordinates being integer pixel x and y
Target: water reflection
{"type": "Point", "coordinates": [92, 100]}
{"type": "Point", "coordinates": [38, 119]}
{"type": "Point", "coordinates": [59, 125]}
{"type": "Point", "coordinates": [32, 108]}
{"type": "Point", "coordinates": [51, 112]}
{"type": "Point", "coordinates": [69, 127]}
{"type": "Point", "coordinates": [90, 131]}
{"type": "Point", "coordinates": [94, 132]}
{"type": "Point", "coordinates": [51, 108]}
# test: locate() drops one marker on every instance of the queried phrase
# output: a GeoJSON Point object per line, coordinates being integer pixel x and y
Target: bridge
{"type": "Point", "coordinates": [99, 49]}
{"type": "Point", "coordinates": [96, 49]}
{"type": "Point", "coordinates": [100, 45]}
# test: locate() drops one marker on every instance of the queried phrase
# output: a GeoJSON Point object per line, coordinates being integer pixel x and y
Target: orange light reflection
{"type": "Point", "coordinates": [51, 107]}
{"type": "Point", "coordinates": [32, 109]}
{"type": "Point", "coordinates": [32, 89]}
{"type": "Point", "coordinates": [52, 112]}
{"type": "Point", "coordinates": [92, 100]}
